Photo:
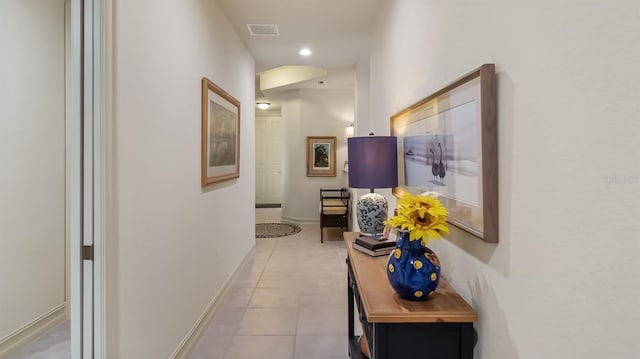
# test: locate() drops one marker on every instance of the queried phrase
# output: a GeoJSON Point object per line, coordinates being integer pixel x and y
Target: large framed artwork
{"type": "Point", "coordinates": [321, 156]}
{"type": "Point", "coordinates": [447, 144]}
{"type": "Point", "coordinates": [220, 134]}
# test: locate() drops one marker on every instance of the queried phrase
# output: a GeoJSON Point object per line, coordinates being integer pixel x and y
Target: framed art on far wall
{"type": "Point", "coordinates": [448, 144]}
{"type": "Point", "coordinates": [220, 134]}
{"type": "Point", "coordinates": [321, 156]}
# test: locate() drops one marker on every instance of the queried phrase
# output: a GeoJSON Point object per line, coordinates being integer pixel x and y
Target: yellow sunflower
{"type": "Point", "coordinates": [424, 217]}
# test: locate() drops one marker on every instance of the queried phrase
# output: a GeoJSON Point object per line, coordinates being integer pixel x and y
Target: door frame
{"type": "Point", "coordinates": [86, 167]}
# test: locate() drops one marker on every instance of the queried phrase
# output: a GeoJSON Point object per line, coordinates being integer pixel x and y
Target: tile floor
{"type": "Point", "coordinates": [56, 344]}
{"type": "Point", "coordinates": [288, 301]}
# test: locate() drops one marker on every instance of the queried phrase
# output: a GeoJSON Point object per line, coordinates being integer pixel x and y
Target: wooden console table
{"type": "Point", "coordinates": [439, 328]}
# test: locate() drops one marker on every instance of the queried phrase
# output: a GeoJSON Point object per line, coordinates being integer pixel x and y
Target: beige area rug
{"type": "Point", "coordinates": [272, 230]}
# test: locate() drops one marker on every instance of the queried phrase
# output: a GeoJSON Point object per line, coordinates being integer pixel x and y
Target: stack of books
{"type": "Point", "coordinates": [374, 246]}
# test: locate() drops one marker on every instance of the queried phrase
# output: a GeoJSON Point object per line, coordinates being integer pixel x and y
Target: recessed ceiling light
{"type": "Point", "coordinates": [305, 52]}
{"type": "Point", "coordinates": [263, 105]}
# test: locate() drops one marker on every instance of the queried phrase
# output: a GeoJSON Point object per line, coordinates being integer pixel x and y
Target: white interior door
{"type": "Point", "coordinates": [268, 160]}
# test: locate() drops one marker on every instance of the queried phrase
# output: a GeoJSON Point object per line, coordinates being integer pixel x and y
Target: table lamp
{"type": "Point", "coordinates": [373, 163]}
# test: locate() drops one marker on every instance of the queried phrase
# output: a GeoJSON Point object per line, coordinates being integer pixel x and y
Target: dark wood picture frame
{"type": "Point", "coordinates": [462, 116]}
{"type": "Point", "coordinates": [321, 156]}
{"type": "Point", "coordinates": [220, 135]}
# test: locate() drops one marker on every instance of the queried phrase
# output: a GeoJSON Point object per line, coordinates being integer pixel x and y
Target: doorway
{"type": "Point", "coordinates": [268, 161]}
{"type": "Point", "coordinates": [34, 237]}
{"type": "Point", "coordinates": [50, 219]}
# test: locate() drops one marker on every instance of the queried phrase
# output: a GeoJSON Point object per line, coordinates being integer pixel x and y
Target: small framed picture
{"type": "Point", "coordinates": [321, 156]}
{"type": "Point", "coordinates": [220, 134]}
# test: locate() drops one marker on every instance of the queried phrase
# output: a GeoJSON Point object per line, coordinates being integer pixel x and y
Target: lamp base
{"type": "Point", "coordinates": [372, 212]}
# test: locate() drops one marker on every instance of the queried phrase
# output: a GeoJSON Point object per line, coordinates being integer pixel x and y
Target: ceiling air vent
{"type": "Point", "coordinates": [263, 30]}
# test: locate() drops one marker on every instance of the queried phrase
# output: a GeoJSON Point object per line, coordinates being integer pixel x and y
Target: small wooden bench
{"type": "Point", "coordinates": [334, 209]}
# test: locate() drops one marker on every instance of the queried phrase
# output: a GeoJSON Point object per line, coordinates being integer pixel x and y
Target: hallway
{"type": "Point", "coordinates": [288, 301]}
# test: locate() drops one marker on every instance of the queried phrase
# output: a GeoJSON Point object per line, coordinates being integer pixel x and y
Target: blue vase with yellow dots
{"type": "Point", "coordinates": [413, 269]}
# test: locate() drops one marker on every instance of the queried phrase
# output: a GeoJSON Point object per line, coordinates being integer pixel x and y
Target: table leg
{"type": "Point", "coordinates": [350, 303]}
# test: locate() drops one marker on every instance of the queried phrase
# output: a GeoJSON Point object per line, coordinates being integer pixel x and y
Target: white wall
{"type": "Point", "coordinates": [172, 245]}
{"type": "Point", "coordinates": [562, 282]}
{"type": "Point", "coordinates": [362, 96]}
{"type": "Point", "coordinates": [305, 113]}
{"type": "Point", "coordinates": [32, 161]}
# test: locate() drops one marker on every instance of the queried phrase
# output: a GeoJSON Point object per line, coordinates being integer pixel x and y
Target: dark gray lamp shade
{"type": "Point", "coordinates": [373, 162]}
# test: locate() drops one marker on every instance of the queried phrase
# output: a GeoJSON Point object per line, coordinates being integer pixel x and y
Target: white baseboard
{"type": "Point", "coordinates": [191, 339]}
{"type": "Point", "coordinates": [294, 220]}
{"type": "Point", "coordinates": [33, 330]}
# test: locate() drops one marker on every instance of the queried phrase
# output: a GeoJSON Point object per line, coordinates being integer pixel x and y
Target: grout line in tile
{"type": "Point", "coordinates": [295, 332]}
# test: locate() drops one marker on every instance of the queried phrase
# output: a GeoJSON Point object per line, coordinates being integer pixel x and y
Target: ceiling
{"type": "Point", "coordinates": [336, 31]}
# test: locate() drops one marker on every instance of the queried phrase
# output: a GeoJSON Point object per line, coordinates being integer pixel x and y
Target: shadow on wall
{"type": "Point", "coordinates": [491, 324]}
{"type": "Point", "coordinates": [493, 338]}
{"type": "Point", "coordinates": [481, 250]}
{"type": "Point", "coordinates": [214, 186]}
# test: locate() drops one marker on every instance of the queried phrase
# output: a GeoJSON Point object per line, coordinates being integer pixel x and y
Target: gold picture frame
{"type": "Point", "coordinates": [448, 144]}
{"type": "Point", "coordinates": [321, 156]}
{"type": "Point", "coordinates": [220, 160]}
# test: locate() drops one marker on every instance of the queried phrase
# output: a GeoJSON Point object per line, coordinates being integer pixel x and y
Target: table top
{"type": "Point", "coordinates": [382, 304]}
